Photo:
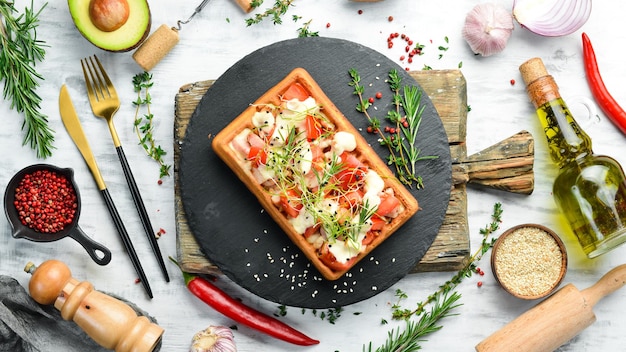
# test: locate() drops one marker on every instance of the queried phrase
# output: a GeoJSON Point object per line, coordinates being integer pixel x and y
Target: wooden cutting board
{"type": "Point", "coordinates": [507, 166]}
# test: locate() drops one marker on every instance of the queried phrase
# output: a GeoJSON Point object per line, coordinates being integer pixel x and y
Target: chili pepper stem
{"type": "Point", "coordinates": [186, 276]}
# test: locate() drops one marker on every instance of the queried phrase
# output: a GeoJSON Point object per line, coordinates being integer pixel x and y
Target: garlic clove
{"type": "Point", "coordinates": [213, 339]}
{"type": "Point", "coordinates": [487, 28]}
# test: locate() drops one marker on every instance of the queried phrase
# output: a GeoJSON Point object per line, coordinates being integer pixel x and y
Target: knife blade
{"type": "Point", "coordinates": [75, 130]}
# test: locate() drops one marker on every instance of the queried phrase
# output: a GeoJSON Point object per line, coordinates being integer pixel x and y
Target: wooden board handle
{"type": "Point", "coordinates": [506, 165]}
{"type": "Point", "coordinates": [609, 283]}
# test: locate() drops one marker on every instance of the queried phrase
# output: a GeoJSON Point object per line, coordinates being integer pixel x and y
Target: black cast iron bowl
{"type": "Point", "coordinates": [99, 253]}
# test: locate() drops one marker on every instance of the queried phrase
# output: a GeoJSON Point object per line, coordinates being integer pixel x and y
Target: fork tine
{"type": "Point", "coordinates": [93, 80]}
{"type": "Point", "coordinates": [90, 89]}
{"type": "Point", "coordinates": [109, 85]}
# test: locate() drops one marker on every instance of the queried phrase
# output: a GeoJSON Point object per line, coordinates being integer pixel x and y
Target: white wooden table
{"type": "Point", "coordinates": [215, 40]}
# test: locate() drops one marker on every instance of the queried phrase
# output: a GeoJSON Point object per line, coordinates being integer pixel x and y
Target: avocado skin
{"type": "Point", "coordinates": [126, 38]}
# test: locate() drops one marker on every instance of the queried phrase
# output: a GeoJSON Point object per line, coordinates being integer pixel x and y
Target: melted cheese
{"type": "Point", "coordinates": [374, 184]}
{"type": "Point", "coordinates": [344, 251]}
{"type": "Point", "coordinates": [343, 142]}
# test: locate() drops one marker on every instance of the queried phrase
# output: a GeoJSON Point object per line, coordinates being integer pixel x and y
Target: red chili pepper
{"type": "Point", "coordinates": [604, 99]}
{"type": "Point", "coordinates": [239, 312]}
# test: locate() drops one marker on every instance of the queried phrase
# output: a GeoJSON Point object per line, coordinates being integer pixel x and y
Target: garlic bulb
{"type": "Point", "coordinates": [213, 339]}
{"type": "Point", "coordinates": [487, 28]}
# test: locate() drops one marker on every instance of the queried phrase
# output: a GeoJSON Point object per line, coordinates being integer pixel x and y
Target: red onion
{"type": "Point", "coordinates": [552, 18]}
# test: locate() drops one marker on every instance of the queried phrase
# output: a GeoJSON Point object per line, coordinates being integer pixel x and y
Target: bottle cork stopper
{"type": "Point", "coordinates": [532, 70]}
{"type": "Point", "coordinates": [156, 47]}
{"type": "Point", "coordinates": [540, 85]}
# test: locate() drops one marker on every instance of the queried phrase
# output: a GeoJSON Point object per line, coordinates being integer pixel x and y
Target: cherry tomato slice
{"type": "Point", "coordinates": [387, 204]}
{"type": "Point", "coordinates": [313, 128]}
{"type": "Point", "coordinates": [296, 91]}
{"type": "Point", "coordinates": [290, 203]}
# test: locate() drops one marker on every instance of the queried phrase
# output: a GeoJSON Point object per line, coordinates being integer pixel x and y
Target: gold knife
{"type": "Point", "coordinates": [75, 130]}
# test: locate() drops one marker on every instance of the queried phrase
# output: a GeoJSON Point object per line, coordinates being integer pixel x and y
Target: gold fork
{"type": "Point", "coordinates": [105, 103]}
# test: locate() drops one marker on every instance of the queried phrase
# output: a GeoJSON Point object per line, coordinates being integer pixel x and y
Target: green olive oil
{"type": "Point", "coordinates": [590, 190]}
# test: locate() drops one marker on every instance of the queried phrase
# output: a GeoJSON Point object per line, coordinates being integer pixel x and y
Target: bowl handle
{"type": "Point", "coordinates": [99, 253]}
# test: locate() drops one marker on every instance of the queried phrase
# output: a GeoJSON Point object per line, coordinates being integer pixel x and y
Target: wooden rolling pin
{"type": "Point", "coordinates": [556, 320]}
{"type": "Point", "coordinates": [108, 321]}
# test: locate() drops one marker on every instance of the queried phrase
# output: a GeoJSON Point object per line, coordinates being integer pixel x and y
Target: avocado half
{"type": "Point", "coordinates": [129, 36]}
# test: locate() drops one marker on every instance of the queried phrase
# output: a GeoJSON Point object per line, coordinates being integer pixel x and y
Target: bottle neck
{"type": "Point", "coordinates": [543, 90]}
{"type": "Point", "coordinates": [566, 140]}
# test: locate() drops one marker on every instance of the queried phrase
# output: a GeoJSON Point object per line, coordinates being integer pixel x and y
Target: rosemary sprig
{"type": "Point", "coordinates": [20, 50]}
{"type": "Point", "coordinates": [411, 104]}
{"type": "Point", "coordinates": [407, 116]}
{"type": "Point", "coordinates": [275, 12]}
{"type": "Point", "coordinates": [408, 340]}
{"type": "Point", "coordinates": [143, 125]}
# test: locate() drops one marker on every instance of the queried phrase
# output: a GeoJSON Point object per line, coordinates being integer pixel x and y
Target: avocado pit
{"type": "Point", "coordinates": [108, 15]}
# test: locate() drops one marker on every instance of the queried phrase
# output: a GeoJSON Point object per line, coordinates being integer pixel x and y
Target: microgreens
{"type": "Point", "coordinates": [289, 177]}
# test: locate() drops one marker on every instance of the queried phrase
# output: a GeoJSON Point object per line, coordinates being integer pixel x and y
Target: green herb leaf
{"type": "Point", "coordinates": [443, 301]}
{"type": "Point", "coordinates": [20, 50]}
{"type": "Point", "coordinates": [405, 119]}
{"type": "Point", "coordinates": [143, 126]}
{"type": "Point", "coordinates": [274, 13]}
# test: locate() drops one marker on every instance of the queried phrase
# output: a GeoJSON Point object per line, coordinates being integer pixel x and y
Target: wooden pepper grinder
{"type": "Point", "coordinates": [108, 321]}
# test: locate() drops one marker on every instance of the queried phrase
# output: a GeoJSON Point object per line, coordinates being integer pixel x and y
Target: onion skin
{"type": "Point", "coordinates": [552, 18]}
{"type": "Point", "coordinates": [487, 28]}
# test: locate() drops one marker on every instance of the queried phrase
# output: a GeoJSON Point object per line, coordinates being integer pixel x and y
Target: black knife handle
{"type": "Point", "coordinates": [130, 249]}
{"type": "Point", "coordinates": [141, 209]}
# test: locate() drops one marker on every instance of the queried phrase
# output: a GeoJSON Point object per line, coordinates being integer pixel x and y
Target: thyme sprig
{"type": "Point", "coordinates": [305, 31]}
{"type": "Point", "coordinates": [442, 302]}
{"type": "Point", "coordinates": [275, 12]}
{"type": "Point", "coordinates": [406, 117]}
{"type": "Point", "coordinates": [20, 50]}
{"type": "Point", "coordinates": [467, 271]}
{"type": "Point", "coordinates": [143, 125]}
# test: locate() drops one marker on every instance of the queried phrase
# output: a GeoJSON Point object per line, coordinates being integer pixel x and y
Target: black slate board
{"type": "Point", "coordinates": [230, 225]}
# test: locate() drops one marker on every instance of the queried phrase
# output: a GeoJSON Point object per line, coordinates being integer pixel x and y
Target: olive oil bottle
{"type": "Point", "coordinates": [590, 190]}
